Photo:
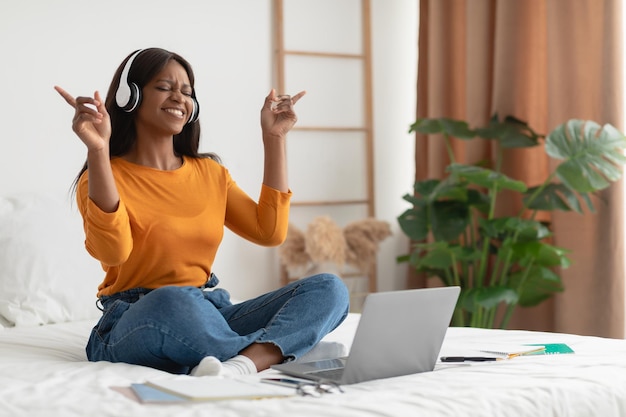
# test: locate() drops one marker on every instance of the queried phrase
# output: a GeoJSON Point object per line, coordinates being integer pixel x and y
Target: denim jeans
{"type": "Point", "coordinates": [173, 328]}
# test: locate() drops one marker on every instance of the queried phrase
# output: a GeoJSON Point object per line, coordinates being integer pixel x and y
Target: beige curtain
{"type": "Point", "coordinates": [543, 61]}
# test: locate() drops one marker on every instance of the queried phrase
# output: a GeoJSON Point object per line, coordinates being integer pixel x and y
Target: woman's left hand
{"type": "Point", "coordinates": [277, 114]}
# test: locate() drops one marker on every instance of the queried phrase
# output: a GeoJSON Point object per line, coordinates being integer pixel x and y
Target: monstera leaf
{"type": "Point", "coordinates": [592, 154]}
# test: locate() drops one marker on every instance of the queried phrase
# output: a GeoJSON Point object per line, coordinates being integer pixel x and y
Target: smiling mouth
{"type": "Point", "coordinates": [175, 112]}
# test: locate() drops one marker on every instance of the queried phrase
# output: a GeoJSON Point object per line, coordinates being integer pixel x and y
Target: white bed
{"type": "Point", "coordinates": [47, 311]}
{"type": "Point", "coordinates": [44, 372]}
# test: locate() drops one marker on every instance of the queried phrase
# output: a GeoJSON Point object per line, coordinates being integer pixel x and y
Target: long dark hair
{"type": "Point", "coordinates": [123, 134]}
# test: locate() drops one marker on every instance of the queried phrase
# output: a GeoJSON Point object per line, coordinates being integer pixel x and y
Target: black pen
{"type": "Point", "coordinates": [468, 359]}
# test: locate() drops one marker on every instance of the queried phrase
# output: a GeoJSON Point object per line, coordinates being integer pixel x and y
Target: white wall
{"type": "Point", "coordinates": [78, 44]}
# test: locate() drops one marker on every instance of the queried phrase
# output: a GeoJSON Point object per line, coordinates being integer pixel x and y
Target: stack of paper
{"type": "Point", "coordinates": [209, 388]}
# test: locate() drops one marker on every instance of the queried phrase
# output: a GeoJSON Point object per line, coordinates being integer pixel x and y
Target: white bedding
{"type": "Point", "coordinates": [44, 372]}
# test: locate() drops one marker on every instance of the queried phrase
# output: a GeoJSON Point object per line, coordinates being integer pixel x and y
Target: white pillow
{"type": "Point", "coordinates": [46, 275]}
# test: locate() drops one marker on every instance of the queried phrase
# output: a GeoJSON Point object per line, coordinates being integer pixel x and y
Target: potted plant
{"type": "Point", "coordinates": [501, 262]}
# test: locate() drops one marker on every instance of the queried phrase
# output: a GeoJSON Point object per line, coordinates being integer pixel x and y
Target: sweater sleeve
{"type": "Point", "coordinates": [264, 223]}
{"type": "Point", "coordinates": [108, 236]}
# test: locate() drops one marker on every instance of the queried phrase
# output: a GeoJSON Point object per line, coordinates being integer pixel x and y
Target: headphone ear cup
{"type": "Point", "coordinates": [195, 111]}
{"type": "Point", "coordinates": [134, 98]}
{"type": "Point", "coordinates": [128, 94]}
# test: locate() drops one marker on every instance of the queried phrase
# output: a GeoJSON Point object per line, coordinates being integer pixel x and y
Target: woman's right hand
{"type": "Point", "coordinates": [91, 120]}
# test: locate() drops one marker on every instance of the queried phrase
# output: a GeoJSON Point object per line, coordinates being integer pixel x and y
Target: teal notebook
{"type": "Point", "coordinates": [552, 349]}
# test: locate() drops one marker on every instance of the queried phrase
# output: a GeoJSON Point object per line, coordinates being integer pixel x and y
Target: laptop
{"type": "Point", "coordinates": [399, 333]}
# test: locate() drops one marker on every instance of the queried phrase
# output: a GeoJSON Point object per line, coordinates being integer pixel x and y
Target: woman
{"type": "Point", "coordinates": [154, 210]}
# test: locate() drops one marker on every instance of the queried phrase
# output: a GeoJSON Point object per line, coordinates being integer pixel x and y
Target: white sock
{"type": "Point", "coordinates": [237, 365]}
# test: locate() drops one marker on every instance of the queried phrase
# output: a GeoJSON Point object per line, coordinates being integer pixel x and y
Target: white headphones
{"type": "Point", "coordinates": [128, 94]}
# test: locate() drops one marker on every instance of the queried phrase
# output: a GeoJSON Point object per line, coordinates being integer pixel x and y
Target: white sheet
{"type": "Point", "coordinates": [43, 372]}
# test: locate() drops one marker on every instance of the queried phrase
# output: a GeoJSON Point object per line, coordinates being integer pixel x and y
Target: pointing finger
{"type": "Point", "coordinates": [297, 97]}
{"type": "Point", "coordinates": [67, 96]}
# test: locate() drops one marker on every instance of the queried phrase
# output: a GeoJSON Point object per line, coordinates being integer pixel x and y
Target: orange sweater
{"type": "Point", "coordinates": [169, 224]}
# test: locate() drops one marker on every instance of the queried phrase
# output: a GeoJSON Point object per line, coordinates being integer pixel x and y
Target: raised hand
{"type": "Point", "coordinates": [278, 115]}
{"type": "Point", "coordinates": [91, 121]}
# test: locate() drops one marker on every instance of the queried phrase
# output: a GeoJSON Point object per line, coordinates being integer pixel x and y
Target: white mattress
{"type": "Point", "coordinates": [44, 372]}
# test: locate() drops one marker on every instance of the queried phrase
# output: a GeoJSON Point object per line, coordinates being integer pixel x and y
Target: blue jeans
{"type": "Point", "coordinates": [173, 328]}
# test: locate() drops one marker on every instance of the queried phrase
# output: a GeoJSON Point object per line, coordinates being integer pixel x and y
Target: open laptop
{"type": "Point", "coordinates": [399, 333]}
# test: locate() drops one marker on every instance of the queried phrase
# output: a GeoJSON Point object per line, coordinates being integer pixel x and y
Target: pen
{"type": "Point", "coordinates": [468, 359]}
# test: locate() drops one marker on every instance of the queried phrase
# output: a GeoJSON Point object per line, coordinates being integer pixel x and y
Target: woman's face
{"type": "Point", "coordinates": [166, 101]}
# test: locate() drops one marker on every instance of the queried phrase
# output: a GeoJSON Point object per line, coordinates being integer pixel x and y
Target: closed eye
{"type": "Point", "coordinates": [168, 88]}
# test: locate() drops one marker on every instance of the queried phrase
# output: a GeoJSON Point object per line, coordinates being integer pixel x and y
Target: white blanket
{"type": "Point", "coordinates": [44, 372]}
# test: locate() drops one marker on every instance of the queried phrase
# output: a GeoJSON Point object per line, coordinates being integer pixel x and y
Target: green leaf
{"type": "Point", "coordinates": [426, 187]}
{"type": "Point", "coordinates": [441, 255]}
{"type": "Point", "coordinates": [427, 191]}
{"type": "Point", "coordinates": [535, 285]}
{"type": "Point", "coordinates": [415, 200]}
{"type": "Point", "coordinates": [438, 206]}
{"type": "Point", "coordinates": [593, 155]}
{"type": "Point", "coordinates": [524, 229]}
{"type": "Point", "coordinates": [579, 175]}
{"type": "Point", "coordinates": [438, 256]}
{"type": "Point", "coordinates": [486, 177]}
{"type": "Point", "coordinates": [487, 297]}
{"type": "Point", "coordinates": [511, 133]}
{"type": "Point", "coordinates": [414, 223]}
{"type": "Point", "coordinates": [450, 188]}
{"type": "Point", "coordinates": [540, 254]}
{"type": "Point", "coordinates": [556, 197]}
{"type": "Point", "coordinates": [426, 126]}
{"type": "Point", "coordinates": [455, 128]}
{"type": "Point", "coordinates": [448, 219]}
{"type": "Point", "coordinates": [478, 200]}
